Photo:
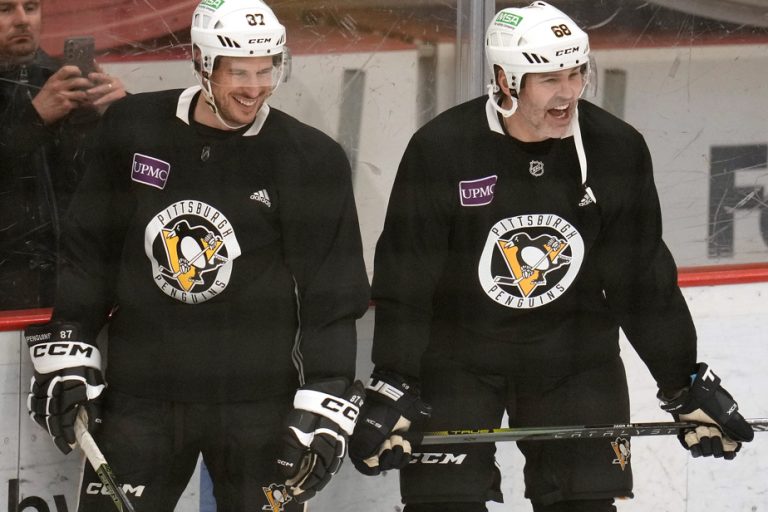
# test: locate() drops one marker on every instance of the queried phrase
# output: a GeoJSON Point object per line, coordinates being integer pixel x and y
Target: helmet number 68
{"type": "Point", "coordinates": [561, 30]}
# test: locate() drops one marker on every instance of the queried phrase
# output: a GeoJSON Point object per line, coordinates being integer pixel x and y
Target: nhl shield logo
{"type": "Point", "coordinates": [536, 168]}
{"type": "Point", "coordinates": [530, 260]}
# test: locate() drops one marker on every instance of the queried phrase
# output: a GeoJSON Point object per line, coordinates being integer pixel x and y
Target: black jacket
{"type": "Point", "coordinates": [39, 168]}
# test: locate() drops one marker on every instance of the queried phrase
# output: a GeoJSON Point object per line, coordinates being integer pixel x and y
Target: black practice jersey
{"type": "Point", "coordinates": [501, 253]}
{"type": "Point", "coordinates": [231, 261]}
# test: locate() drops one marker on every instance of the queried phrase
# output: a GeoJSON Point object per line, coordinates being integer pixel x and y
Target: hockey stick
{"type": "Point", "coordinates": [99, 463]}
{"type": "Point", "coordinates": [566, 432]}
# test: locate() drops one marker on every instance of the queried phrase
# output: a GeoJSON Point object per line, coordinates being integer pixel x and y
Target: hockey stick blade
{"type": "Point", "coordinates": [99, 463]}
{"type": "Point", "coordinates": [668, 428]}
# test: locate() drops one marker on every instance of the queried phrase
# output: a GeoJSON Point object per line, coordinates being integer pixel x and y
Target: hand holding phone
{"type": "Point", "coordinates": [79, 51]}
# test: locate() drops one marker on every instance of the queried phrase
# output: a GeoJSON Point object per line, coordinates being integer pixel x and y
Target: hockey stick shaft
{"type": "Point", "coordinates": [99, 463]}
{"type": "Point", "coordinates": [565, 432]}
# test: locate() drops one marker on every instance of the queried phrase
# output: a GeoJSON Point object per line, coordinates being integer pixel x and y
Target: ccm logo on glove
{"type": "Point", "coordinates": [348, 411]}
{"type": "Point", "coordinates": [316, 435]}
{"type": "Point", "coordinates": [67, 378]}
{"type": "Point", "coordinates": [62, 349]}
{"type": "Point", "coordinates": [57, 349]}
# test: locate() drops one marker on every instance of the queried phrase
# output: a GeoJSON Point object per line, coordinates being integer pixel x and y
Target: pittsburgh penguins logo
{"type": "Point", "coordinates": [277, 497]}
{"type": "Point", "coordinates": [621, 448]}
{"type": "Point", "coordinates": [190, 253]}
{"type": "Point", "coordinates": [530, 260]}
{"type": "Point", "coordinates": [191, 246]}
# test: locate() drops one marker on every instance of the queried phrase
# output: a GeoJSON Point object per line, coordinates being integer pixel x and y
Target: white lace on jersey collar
{"type": "Point", "coordinates": [574, 131]}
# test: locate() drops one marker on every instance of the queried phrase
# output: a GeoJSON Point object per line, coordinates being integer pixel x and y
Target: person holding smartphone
{"type": "Point", "coordinates": [46, 111]}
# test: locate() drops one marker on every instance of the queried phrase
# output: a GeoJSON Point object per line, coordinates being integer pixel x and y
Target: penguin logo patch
{"type": "Point", "coordinates": [530, 260]}
{"type": "Point", "coordinates": [622, 451]}
{"type": "Point", "coordinates": [277, 498]}
{"type": "Point", "coordinates": [191, 246]}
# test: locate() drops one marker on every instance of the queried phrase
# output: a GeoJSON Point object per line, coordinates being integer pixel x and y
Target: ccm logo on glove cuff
{"type": "Point", "coordinates": [338, 410]}
{"type": "Point", "coordinates": [51, 357]}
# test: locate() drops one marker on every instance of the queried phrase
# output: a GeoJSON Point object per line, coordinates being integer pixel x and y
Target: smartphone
{"type": "Point", "coordinates": [79, 51]}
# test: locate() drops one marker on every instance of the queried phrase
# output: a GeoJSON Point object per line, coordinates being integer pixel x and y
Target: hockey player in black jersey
{"type": "Point", "coordinates": [218, 240]}
{"type": "Point", "coordinates": [523, 230]}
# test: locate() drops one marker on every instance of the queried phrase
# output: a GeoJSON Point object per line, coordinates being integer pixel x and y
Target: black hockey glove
{"type": "Point", "coordinates": [392, 404]}
{"type": "Point", "coordinates": [322, 420]}
{"type": "Point", "coordinates": [706, 402]}
{"type": "Point", "coordinates": [67, 376]}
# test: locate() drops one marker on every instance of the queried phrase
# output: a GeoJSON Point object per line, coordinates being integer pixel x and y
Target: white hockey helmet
{"type": "Point", "coordinates": [235, 28]}
{"type": "Point", "coordinates": [535, 39]}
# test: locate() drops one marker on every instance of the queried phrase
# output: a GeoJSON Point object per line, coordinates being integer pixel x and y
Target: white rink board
{"type": "Point", "coordinates": [731, 325]}
{"type": "Point", "coordinates": [730, 322]}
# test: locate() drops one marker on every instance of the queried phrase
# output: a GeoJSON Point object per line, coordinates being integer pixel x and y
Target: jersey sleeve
{"type": "Point", "coordinates": [410, 256]}
{"type": "Point", "coordinates": [92, 234]}
{"type": "Point", "coordinates": [640, 281]}
{"type": "Point", "coordinates": [323, 251]}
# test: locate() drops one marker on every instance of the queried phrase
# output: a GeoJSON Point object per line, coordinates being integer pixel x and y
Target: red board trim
{"type": "Point", "coordinates": [713, 275]}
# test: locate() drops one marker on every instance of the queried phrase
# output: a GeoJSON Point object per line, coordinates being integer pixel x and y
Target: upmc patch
{"type": "Point", "coordinates": [477, 192]}
{"type": "Point", "coordinates": [150, 171]}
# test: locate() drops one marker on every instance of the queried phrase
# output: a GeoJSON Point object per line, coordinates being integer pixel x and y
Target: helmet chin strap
{"type": "Point", "coordinates": [492, 90]}
{"type": "Point", "coordinates": [211, 102]}
{"type": "Point", "coordinates": [574, 130]}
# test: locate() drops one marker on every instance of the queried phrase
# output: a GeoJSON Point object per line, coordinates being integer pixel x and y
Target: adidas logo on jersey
{"type": "Point", "coordinates": [588, 198]}
{"type": "Point", "coordinates": [262, 196]}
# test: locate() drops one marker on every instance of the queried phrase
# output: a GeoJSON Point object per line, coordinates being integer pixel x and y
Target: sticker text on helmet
{"type": "Point", "coordinates": [507, 18]}
{"type": "Point", "coordinates": [213, 4]}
